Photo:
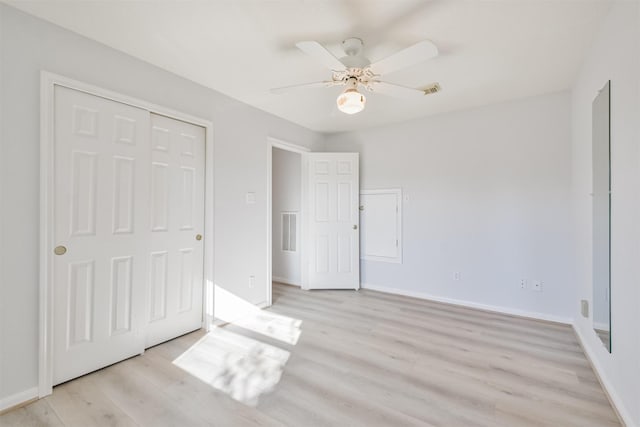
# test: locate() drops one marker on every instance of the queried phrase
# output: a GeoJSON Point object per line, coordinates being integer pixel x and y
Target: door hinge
{"type": "Point", "coordinates": [396, 243]}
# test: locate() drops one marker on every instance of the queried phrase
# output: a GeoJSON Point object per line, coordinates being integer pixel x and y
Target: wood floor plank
{"type": "Point", "coordinates": [362, 359]}
{"type": "Point", "coordinates": [82, 403]}
{"type": "Point", "coordinates": [36, 414]}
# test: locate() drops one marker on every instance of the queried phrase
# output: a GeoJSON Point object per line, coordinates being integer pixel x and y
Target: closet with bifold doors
{"type": "Point", "coordinates": [128, 219]}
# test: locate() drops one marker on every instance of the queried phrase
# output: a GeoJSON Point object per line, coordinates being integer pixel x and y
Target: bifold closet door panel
{"type": "Point", "coordinates": [175, 258]}
{"type": "Point", "coordinates": [101, 217]}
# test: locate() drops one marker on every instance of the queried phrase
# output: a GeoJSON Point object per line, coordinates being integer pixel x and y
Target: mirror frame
{"type": "Point", "coordinates": [601, 215]}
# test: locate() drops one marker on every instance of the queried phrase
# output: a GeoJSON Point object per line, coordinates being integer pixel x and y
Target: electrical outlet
{"type": "Point", "coordinates": [584, 308]}
{"type": "Point", "coordinates": [523, 283]}
{"type": "Point", "coordinates": [456, 275]}
{"type": "Point", "coordinates": [536, 285]}
{"type": "Point", "coordinates": [252, 281]}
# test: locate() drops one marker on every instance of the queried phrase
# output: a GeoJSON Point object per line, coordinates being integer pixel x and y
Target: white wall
{"type": "Point", "coordinates": [28, 45]}
{"type": "Point", "coordinates": [615, 56]}
{"type": "Point", "coordinates": [488, 197]}
{"type": "Point", "coordinates": [286, 198]}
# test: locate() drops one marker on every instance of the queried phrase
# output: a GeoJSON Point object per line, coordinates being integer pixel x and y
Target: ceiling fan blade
{"type": "Point", "coordinates": [412, 55]}
{"type": "Point", "coordinates": [321, 54]}
{"type": "Point", "coordinates": [285, 89]}
{"type": "Point", "coordinates": [397, 91]}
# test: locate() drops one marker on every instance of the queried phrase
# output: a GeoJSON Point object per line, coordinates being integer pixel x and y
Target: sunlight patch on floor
{"type": "Point", "coordinates": [232, 309]}
{"type": "Point", "coordinates": [239, 366]}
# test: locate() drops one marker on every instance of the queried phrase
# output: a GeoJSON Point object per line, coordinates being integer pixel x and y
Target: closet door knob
{"type": "Point", "coordinates": [60, 250]}
{"type": "Point", "coordinates": [355, 227]}
{"type": "Point", "coordinates": [198, 237]}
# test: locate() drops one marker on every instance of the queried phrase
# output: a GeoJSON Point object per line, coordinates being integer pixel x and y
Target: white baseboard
{"type": "Point", "coordinates": [601, 326]}
{"type": "Point", "coordinates": [18, 398]}
{"type": "Point", "coordinates": [284, 280]}
{"type": "Point", "coordinates": [610, 391]}
{"type": "Point", "coordinates": [470, 304]}
{"type": "Point", "coordinates": [219, 322]}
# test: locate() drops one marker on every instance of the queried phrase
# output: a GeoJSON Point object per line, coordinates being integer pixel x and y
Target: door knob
{"type": "Point", "coordinates": [198, 237]}
{"type": "Point", "coordinates": [60, 250]}
{"type": "Point", "coordinates": [355, 227]}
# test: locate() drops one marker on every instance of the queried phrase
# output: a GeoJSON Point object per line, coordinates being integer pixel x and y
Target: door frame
{"type": "Point", "coordinates": [48, 82]}
{"type": "Point", "coordinates": [299, 149]}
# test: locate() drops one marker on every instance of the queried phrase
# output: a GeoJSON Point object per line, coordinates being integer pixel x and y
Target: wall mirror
{"type": "Point", "coordinates": [601, 145]}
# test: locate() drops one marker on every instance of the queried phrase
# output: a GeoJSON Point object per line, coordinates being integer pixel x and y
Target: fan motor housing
{"type": "Point", "coordinates": [353, 49]}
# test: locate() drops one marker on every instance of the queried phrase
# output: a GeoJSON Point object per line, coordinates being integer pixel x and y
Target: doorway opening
{"type": "Point", "coordinates": [285, 214]}
{"type": "Point", "coordinates": [315, 212]}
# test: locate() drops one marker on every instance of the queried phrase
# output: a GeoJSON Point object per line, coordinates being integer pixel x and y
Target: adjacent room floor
{"type": "Point", "coordinates": [338, 358]}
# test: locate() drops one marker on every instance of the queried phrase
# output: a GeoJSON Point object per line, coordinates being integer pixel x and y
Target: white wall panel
{"type": "Point", "coordinates": [486, 195]}
{"type": "Point", "coordinates": [614, 56]}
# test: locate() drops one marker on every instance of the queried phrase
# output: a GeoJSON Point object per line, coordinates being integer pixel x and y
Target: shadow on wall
{"type": "Point", "coordinates": [238, 365]}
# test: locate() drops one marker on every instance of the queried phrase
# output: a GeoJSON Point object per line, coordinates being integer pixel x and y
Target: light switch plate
{"type": "Point", "coordinates": [251, 198]}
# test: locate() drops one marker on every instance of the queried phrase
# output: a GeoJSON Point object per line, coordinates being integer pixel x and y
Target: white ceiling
{"type": "Point", "coordinates": [491, 51]}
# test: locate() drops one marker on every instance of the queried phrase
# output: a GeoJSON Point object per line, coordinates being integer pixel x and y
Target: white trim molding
{"type": "Point", "coordinates": [284, 145]}
{"type": "Point", "coordinates": [616, 402]}
{"type": "Point", "coordinates": [48, 81]}
{"type": "Point", "coordinates": [285, 281]}
{"type": "Point", "coordinates": [470, 304]}
{"type": "Point", "coordinates": [18, 399]}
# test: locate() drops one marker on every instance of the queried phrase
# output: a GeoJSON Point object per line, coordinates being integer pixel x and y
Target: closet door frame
{"type": "Point", "coordinates": [48, 82]}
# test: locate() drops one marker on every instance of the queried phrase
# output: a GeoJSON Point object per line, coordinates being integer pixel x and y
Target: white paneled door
{"type": "Point", "coordinates": [113, 278]}
{"type": "Point", "coordinates": [101, 212]}
{"type": "Point", "coordinates": [333, 225]}
{"type": "Point", "coordinates": [176, 223]}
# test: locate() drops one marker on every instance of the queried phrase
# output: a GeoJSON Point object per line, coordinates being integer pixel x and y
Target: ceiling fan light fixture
{"type": "Point", "coordinates": [351, 101]}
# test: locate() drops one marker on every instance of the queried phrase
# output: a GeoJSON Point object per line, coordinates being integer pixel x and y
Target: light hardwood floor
{"type": "Point", "coordinates": [363, 359]}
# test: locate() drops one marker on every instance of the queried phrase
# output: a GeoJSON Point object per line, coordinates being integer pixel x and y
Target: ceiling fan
{"type": "Point", "coordinates": [354, 70]}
